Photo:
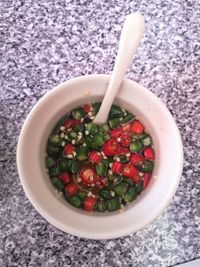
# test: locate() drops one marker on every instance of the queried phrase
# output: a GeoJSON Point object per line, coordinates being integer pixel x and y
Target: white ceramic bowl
{"type": "Point", "coordinates": [151, 202]}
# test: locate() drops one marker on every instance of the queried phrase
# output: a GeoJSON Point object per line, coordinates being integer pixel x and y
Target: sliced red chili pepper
{"type": "Point", "coordinates": [115, 132]}
{"type": "Point", "coordinates": [117, 167]}
{"type": "Point", "coordinates": [126, 127]}
{"type": "Point", "coordinates": [149, 153]}
{"type": "Point", "coordinates": [125, 139]}
{"type": "Point", "coordinates": [87, 108]}
{"type": "Point", "coordinates": [136, 159]}
{"type": "Point", "coordinates": [147, 177]}
{"type": "Point", "coordinates": [135, 178]}
{"type": "Point", "coordinates": [65, 177]}
{"type": "Point", "coordinates": [71, 123]}
{"type": "Point", "coordinates": [103, 181]}
{"type": "Point", "coordinates": [68, 149]}
{"type": "Point", "coordinates": [111, 147]}
{"type": "Point", "coordinates": [71, 189]}
{"type": "Point", "coordinates": [130, 170]}
{"type": "Point", "coordinates": [88, 176]}
{"type": "Point", "coordinates": [95, 157]}
{"type": "Point", "coordinates": [137, 127]}
{"type": "Point", "coordinates": [89, 203]}
{"type": "Point", "coordinates": [123, 151]}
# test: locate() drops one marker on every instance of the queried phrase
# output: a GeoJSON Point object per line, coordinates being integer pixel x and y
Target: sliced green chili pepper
{"type": "Point", "coordinates": [104, 128]}
{"type": "Point", "coordinates": [148, 166]}
{"type": "Point", "coordinates": [52, 150]}
{"type": "Point", "coordinates": [91, 128]}
{"type": "Point", "coordinates": [72, 135]}
{"type": "Point", "coordinates": [147, 140]}
{"type": "Point", "coordinates": [75, 201]}
{"type": "Point", "coordinates": [50, 162]}
{"type": "Point", "coordinates": [106, 137]}
{"type": "Point", "coordinates": [56, 129]}
{"type": "Point", "coordinates": [101, 206]}
{"type": "Point", "coordinates": [128, 181]}
{"type": "Point", "coordinates": [114, 122]}
{"type": "Point", "coordinates": [128, 118]}
{"type": "Point", "coordinates": [64, 164]}
{"type": "Point", "coordinates": [139, 187]}
{"type": "Point", "coordinates": [104, 194]}
{"type": "Point", "coordinates": [74, 167]}
{"type": "Point", "coordinates": [137, 136]}
{"type": "Point", "coordinates": [79, 128]}
{"type": "Point", "coordinates": [106, 162]}
{"type": "Point", "coordinates": [82, 153]}
{"type": "Point", "coordinates": [130, 194]}
{"type": "Point", "coordinates": [115, 111]}
{"type": "Point", "coordinates": [96, 107]}
{"type": "Point", "coordinates": [78, 113]}
{"type": "Point", "coordinates": [54, 171]}
{"type": "Point", "coordinates": [135, 146]}
{"type": "Point", "coordinates": [120, 189]}
{"type": "Point", "coordinates": [113, 204]}
{"type": "Point", "coordinates": [54, 140]}
{"type": "Point", "coordinates": [117, 180]}
{"type": "Point", "coordinates": [81, 195]}
{"type": "Point", "coordinates": [89, 141]}
{"type": "Point", "coordinates": [98, 141]}
{"type": "Point", "coordinates": [57, 183]}
{"type": "Point", "coordinates": [101, 169]}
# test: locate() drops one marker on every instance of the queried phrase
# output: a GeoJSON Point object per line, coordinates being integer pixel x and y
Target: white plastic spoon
{"type": "Point", "coordinates": [131, 35]}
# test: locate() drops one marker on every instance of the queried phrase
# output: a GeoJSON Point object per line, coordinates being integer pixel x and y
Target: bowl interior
{"type": "Point", "coordinates": [31, 152]}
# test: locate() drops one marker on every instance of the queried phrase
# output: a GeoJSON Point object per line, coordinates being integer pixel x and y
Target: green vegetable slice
{"type": "Point", "coordinates": [139, 187]}
{"type": "Point", "coordinates": [115, 111]}
{"type": "Point", "coordinates": [75, 201]}
{"type": "Point", "coordinates": [78, 113]}
{"type": "Point", "coordinates": [130, 194]}
{"type": "Point", "coordinates": [113, 204]}
{"type": "Point", "coordinates": [104, 194]}
{"type": "Point", "coordinates": [50, 162]}
{"type": "Point", "coordinates": [96, 107]}
{"type": "Point", "coordinates": [101, 206]}
{"type": "Point", "coordinates": [74, 167]}
{"type": "Point", "coordinates": [128, 118]}
{"type": "Point", "coordinates": [91, 128]}
{"type": "Point", "coordinates": [64, 164]}
{"type": "Point", "coordinates": [148, 166]}
{"type": "Point", "coordinates": [81, 194]}
{"type": "Point", "coordinates": [57, 183]}
{"type": "Point", "coordinates": [54, 171]}
{"type": "Point", "coordinates": [82, 153]}
{"type": "Point", "coordinates": [120, 189]}
{"type": "Point", "coordinates": [135, 146]}
{"type": "Point", "coordinates": [147, 140]}
{"type": "Point", "coordinates": [114, 122]}
{"type": "Point", "coordinates": [101, 169]}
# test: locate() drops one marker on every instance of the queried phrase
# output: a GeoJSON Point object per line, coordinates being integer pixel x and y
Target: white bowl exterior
{"type": "Point", "coordinates": [31, 152]}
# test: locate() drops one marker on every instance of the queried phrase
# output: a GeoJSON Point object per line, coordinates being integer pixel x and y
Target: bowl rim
{"type": "Point", "coordinates": [54, 221]}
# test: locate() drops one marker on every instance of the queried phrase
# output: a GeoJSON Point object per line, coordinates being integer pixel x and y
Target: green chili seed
{"type": "Point", "coordinates": [101, 169]}
{"type": "Point", "coordinates": [52, 150]}
{"type": "Point", "coordinates": [78, 113]}
{"type": "Point", "coordinates": [50, 162]}
{"type": "Point", "coordinates": [115, 111]}
{"type": "Point", "coordinates": [114, 122]}
{"type": "Point", "coordinates": [139, 187]}
{"type": "Point", "coordinates": [74, 167]}
{"type": "Point", "coordinates": [57, 183]}
{"type": "Point", "coordinates": [104, 128]}
{"type": "Point", "coordinates": [130, 194]}
{"type": "Point", "coordinates": [123, 159]}
{"type": "Point", "coordinates": [72, 135]}
{"type": "Point", "coordinates": [82, 153]}
{"type": "Point", "coordinates": [56, 129]}
{"type": "Point", "coordinates": [54, 140]}
{"type": "Point", "coordinates": [81, 195]}
{"type": "Point", "coordinates": [75, 201]}
{"type": "Point", "coordinates": [96, 107]}
{"type": "Point", "coordinates": [79, 128]}
{"type": "Point", "coordinates": [101, 206]}
{"type": "Point", "coordinates": [54, 171]}
{"type": "Point", "coordinates": [64, 164]}
{"type": "Point", "coordinates": [148, 166]}
{"type": "Point", "coordinates": [146, 141]}
{"type": "Point", "coordinates": [120, 189]}
{"type": "Point", "coordinates": [113, 204]}
{"type": "Point", "coordinates": [128, 118]}
{"type": "Point", "coordinates": [104, 194]}
{"type": "Point", "coordinates": [91, 128]}
{"type": "Point", "coordinates": [135, 146]}
{"type": "Point", "coordinates": [128, 181]}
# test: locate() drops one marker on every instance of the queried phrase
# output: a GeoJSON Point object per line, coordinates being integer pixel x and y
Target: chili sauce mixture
{"type": "Point", "coordinates": [99, 168]}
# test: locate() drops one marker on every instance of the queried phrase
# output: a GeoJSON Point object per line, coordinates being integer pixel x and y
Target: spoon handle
{"type": "Point", "coordinates": [131, 35]}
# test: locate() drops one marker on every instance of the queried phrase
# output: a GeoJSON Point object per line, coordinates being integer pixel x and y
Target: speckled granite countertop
{"type": "Point", "coordinates": [43, 43]}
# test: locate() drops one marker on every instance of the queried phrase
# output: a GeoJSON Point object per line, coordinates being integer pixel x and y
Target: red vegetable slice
{"type": "Point", "coordinates": [115, 132]}
{"type": "Point", "coordinates": [68, 149]}
{"type": "Point", "coordinates": [117, 167]}
{"type": "Point", "coordinates": [147, 177]}
{"type": "Point", "coordinates": [71, 189]}
{"type": "Point", "coordinates": [126, 127]}
{"type": "Point", "coordinates": [89, 203]}
{"type": "Point", "coordinates": [87, 108]}
{"type": "Point", "coordinates": [149, 153]}
{"type": "Point", "coordinates": [136, 159]}
{"type": "Point", "coordinates": [130, 171]}
{"type": "Point", "coordinates": [65, 177]}
{"type": "Point", "coordinates": [137, 127]}
{"type": "Point", "coordinates": [123, 151]}
{"type": "Point", "coordinates": [125, 139]}
{"type": "Point", "coordinates": [95, 157]}
{"type": "Point", "coordinates": [71, 123]}
{"type": "Point", "coordinates": [103, 182]}
{"type": "Point", "coordinates": [111, 148]}
{"type": "Point", "coordinates": [88, 176]}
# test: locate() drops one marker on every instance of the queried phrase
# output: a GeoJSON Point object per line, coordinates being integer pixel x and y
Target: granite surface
{"type": "Point", "coordinates": [43, 43]}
